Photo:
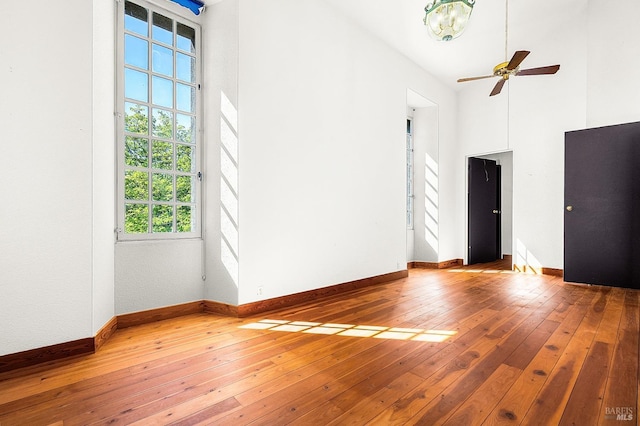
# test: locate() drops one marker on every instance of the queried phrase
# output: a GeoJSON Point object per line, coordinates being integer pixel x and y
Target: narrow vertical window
{"type": "Point", "coordinates": [409, 174]}
{"type": "Point", "coordinates": [158, 111]}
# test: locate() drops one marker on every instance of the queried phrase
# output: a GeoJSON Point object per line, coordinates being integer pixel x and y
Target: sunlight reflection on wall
{"type": "Point", "coordinates": [525, 260]}
{"type": "Point", "coordinates": [431, 202]}
{"type": "Point", "coordinates": [229, 240]}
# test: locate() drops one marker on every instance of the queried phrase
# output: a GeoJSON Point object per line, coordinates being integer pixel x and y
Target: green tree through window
{"type": "Point", "coordinates": [158, 147]}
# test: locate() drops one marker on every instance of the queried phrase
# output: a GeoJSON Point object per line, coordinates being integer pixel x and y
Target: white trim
{"type": "Point", "coordinates": [178, 15]}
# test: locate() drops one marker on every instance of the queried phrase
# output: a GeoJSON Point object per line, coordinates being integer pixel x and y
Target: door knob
{"type": "Point", "coordinates": [569, 208]}
{"type": "Point", "coordinates": [496, 211]}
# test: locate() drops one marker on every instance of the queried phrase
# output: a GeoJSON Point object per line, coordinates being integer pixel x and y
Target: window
{"type": "Point", "coordinates": [409, 174]}
{"type": "Point", "coordinates": [158, 117]}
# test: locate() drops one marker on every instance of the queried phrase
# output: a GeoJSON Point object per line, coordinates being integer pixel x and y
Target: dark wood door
{"type": "Point", "coordinates": [602, 206]}
{"type": "Point", "coordinates": [484, 211]}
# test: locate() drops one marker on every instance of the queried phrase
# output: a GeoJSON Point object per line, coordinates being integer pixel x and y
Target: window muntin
{"type": "Point", "coordinates": [159, 182]}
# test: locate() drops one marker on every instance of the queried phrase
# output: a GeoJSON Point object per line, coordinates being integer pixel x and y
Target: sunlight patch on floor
{"type": "Point", "coordinates": [481, 271]}
{"type": "Point", "coordinates": [352, 330]}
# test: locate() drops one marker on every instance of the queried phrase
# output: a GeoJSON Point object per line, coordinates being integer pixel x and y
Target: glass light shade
{"type": "Point", "coordinates": [447, 19]}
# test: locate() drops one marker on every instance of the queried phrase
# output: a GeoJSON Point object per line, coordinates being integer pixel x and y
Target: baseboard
{"type": "Point", "coordinates": [507, 258]}
{"type": "Point", "coordinates": [424, 265]}
{"type": "Point", "coordinates": [105, 333]}
{"type": "Point", "coordinates": [212, 307]}
{"type": "Point", "coordinates": [553, 271]}
{"type": "Point", "coordinates": [86, 346]}
{"type": "Point", "coordinates": [92, 344]}
{"type": "Point", "coordinates": [46, 354]}
{"type": "Point", "coordinates": [159, 314]}
{"type": "Point", "coordinates": [311, 295]}
{"type": "Point", "coordinates": [539, 271]}
{"type": "Point", "coordinates": [453, 263]}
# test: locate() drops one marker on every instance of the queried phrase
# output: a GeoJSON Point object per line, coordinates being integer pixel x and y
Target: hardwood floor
{"type": "Point", "coordinates": [457, 347]}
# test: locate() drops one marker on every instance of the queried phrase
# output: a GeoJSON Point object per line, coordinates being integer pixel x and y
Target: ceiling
{"type": "Point", "coordinates": [532, 25]}
{"type": "Point", "coordinates": [479, 48]}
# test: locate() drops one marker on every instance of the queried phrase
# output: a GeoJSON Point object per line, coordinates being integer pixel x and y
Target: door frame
{"type": "Point", "coordinates": [504, 158]}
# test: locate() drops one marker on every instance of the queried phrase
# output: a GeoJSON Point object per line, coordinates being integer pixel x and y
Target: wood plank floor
{"type": "Point", "coordinates": [465, 346]}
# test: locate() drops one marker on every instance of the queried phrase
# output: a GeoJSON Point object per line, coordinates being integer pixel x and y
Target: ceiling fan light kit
{"type": "Point", "coordinates": [447, 19]}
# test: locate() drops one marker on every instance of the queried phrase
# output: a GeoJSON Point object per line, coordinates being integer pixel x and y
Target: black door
{"type": "Point", "coordinates": [484, 211]}
{"type": "Point", "coordinates": [602, 206]}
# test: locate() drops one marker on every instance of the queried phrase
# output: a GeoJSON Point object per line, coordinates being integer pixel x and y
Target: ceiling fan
{"type": "Point", "coordinates": [512, 68]}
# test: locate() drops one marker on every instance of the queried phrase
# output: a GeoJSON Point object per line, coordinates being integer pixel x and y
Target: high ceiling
{"type": "Point", "coordinates": [532, 25]}
{"type": "Point", "coordinates": [480, 48]}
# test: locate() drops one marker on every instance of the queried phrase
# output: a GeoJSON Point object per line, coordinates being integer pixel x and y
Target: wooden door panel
{"type": "Point", "coordinates": [484, 205]}
{"type": "Point", "coordinates": [601, 206]}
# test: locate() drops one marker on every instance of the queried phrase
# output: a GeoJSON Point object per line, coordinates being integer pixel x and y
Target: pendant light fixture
{"type": "Point", "coordinates": [447, 19]}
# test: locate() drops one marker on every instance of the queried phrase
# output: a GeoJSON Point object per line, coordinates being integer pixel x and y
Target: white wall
{"type": "Point", "coordinates": [320, 179]}
{"type": "Point", "coordinates": [46, 215]}
{"type": "Point", "coordinates": [613, 88]}
{"type": "Point", "coordinates": [220, 32]}
{"type": "Point", "coordinates": [530, 117]}
{"type": "Point", "coordinates": [426, 213]}
{"type": "Point", "coordinates": [156, 274]}
{"type": "Point", "coordinates": [541, 109]}
{"type": "Point", "coordinates": [103, 200]}
{"type": "Point", "coordinates": [322, 109]}
{"type": "Point", "coordinates": [319, 121]}
{"type": "Point", "coordinates": [594, 87]}
{"type": "Point", "coordinates": [483, 129]}
{"type": "Point", "coordinates": [321, 130]}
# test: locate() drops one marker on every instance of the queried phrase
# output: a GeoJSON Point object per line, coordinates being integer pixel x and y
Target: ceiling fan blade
{"type": "Point", "coordinates": [551, 69]}
{"type": "Point", "coordinates": [498, 87]}
{"type": "Point", "coordinates": [517, 59]}
{"type": "Point", "coordinates": [461, 80]}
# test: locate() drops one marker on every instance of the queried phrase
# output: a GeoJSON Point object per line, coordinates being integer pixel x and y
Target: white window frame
{"type": "Point", "coordinates": [410, 188]}
{"type": "Point", "coordinates": [177, 14]}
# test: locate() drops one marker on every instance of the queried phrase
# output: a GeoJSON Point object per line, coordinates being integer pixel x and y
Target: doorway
{"type": "Point", "coordinates": [490, 208]}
